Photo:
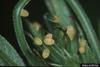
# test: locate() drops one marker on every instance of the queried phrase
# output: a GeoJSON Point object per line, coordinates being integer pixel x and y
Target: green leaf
{"type": "Point", "coordinates": [8, 55]}
{"type": "Point", "coordinates": [86, 25]}
{"type": "Point", "coordinates": [31, 58]}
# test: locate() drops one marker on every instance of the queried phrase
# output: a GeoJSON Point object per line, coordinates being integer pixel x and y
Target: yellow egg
{"type": "Point", "coordinates": [82, 50]}
{"type": "Point", "coordinates": [49, 41]}
{"type": "Point", "coordinates": [24, 13]}
{"type": "Point", "coordinates": [36, 26]}
{"type": "Point", "coordinates": [45, 53]}
{"type": "Point", "coordinates": [37, 41]}
{"type": "Point", "coordinates": [71, 32]}
{"type": "Point", "coordinates": [82, 42]}
{"type": "Point", "coordinates": [55, 19]}
{"type": "Point", "coordinates": [61, 33]}
{"type": "Point", "coordinates": [49, 35]}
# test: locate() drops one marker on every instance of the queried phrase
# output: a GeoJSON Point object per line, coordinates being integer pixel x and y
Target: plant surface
{"type": "Point", "coordinates": [68, 38]}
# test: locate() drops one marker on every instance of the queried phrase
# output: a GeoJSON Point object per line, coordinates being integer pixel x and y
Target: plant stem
{"type": "Point", "coordinates": [31, 58]}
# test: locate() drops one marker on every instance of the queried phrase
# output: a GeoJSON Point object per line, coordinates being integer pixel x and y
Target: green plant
{"type": "Point", "coordinates": [67, 40]}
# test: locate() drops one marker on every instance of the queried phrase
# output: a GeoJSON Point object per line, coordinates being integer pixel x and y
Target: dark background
{"type": "Point", "coordinates": [37, 8]}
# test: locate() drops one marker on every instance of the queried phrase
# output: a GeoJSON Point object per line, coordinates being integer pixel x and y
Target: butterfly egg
{"type": "Point", "coordinates": [71, 32]}
{"type": "Point", "coordinates": [45, 53]}
{"type": "Point", "coordinates": [82, 42]}
{"type": "Point", "coordinates": [37, 41]}
{"type": "Point", "coordinates": [36, 26]}
{"type": "Point", "coordinates": [55, 19]}
{"type": "Point", "coordinates": [82, 50]}
{"type": "Point", "coordinates": [24, 13]}
{"type": "Point", "coordinates": [49, 35]}
{"type": "Point", "coordinates": [61, 33]}
{"type": "Point", "coordinates": [49, 41]}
